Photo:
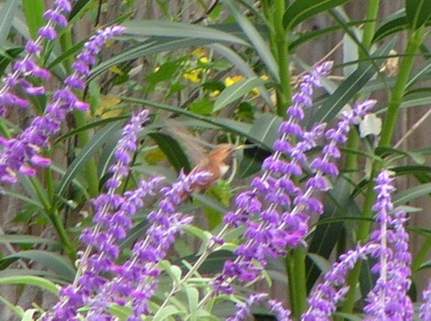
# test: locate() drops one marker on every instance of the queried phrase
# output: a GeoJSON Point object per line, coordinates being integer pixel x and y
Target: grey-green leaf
{"type": "Point", "coordinates": [57, 263]}
{"type": "Point", "coordinates": [86, 154]}
{"type": "Point", "coordinates": [300, 10]}
{"type": "Point", "coordinates": [255, 38]}
{"type": "Point", "coordinates": [145, 28]}
{"type": "Point", "coordinates": [7, 13]}
{"type": "Point", "coordinates": [350, 87]}
{"type": "Point", "coordinates": [235, 92]}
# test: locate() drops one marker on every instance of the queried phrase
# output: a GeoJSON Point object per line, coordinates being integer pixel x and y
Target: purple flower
{"type": "Point", "coordinates": [389, 299]}
{"type": "Point", "coordinates": [243, 308]}
{"type": "Point", "coordinates": [135, 280]}
{"type": "Point", "coordinates": [27, 66]}
{"type": "Point", "coordinates": [425, 308]}
{"type": "Point", "coordinates": [285, 223]}
{"type": "Point", "coordinates": [20, 154]}
{"type": "Point", "coordinates": [112, 222]}
{"type": "Point", "coordinates": [325, 296]}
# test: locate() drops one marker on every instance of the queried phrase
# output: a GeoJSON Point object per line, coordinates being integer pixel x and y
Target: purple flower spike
{"type": "Point", "coordinates": [286, 222]}
{"type": "Point", "coordinates": [425, 308]}
{"type": "Point", "coordinates": [112, 222]}
{"type": "Point", "coordinates": [270, 237]}
{"type": "Point", "coordinates": [243, 308]}
{"type": "Point", "coordinates": [136, 279]}
{"type": "Point", "coordinates": [325, 296]}
{"type": "Point", "coordinates": [389, 298]}
{"type": "Point", "coordinates": [25, 150]}
{"type": "Point", "coordinates": [27, 66]}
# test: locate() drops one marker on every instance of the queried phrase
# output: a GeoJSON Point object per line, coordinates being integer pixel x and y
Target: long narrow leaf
{"type": "Point", "coordinates": [255, 38]}
{"type": "Point", "coordinates": [144, 28]}
{"type": "Point", "coordinates": [300, 10]}
{"type": "Point", "coordinates": [85, 155]}
{"type": "Point", "coordinates": [7, 14]}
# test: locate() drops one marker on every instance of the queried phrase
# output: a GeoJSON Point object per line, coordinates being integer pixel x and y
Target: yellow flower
{"type": "Point", "coordinates": [214, 93]}
{"type": "Point", "coordinates": [199, 53]}
{"type": "Point", "coordinates": [109, 107]}
{"type": "Point", "coordinates": [232, 80]}
{"type": "Point", "coordinates": [194, 75]}
{"type": "Point", "coordinates": [204, 60]}
{"type": "Point", "coordinates": [117, 70]}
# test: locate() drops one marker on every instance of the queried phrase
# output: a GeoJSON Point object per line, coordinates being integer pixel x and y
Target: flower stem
{"type": "Point", "coordinates": [282, 55]}
{"type": "Point", "coordinates": [300, 281]}
{"type": "Point", "coordinates": [296, 265]}
{"type": "Point", "coordinates": [415, 40]}
{"type": "Point", "coordinates": [370, 26]}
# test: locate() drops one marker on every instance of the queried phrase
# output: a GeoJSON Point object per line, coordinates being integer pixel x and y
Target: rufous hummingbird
{"type": "Point", "coordinates": [217, 162]}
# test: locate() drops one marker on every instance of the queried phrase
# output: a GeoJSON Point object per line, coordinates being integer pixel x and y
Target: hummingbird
{"type": "Point", "coordinates": [218, 161]}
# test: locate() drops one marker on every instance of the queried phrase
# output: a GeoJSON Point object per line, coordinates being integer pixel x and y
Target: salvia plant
{"type": "Point", "coordinates": [131, 229]}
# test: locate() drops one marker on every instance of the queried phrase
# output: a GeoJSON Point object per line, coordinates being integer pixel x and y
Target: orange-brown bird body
{"type": "Point", "coordinates": [217, 163]}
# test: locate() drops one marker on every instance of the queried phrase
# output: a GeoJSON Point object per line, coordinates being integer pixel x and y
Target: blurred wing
{"type": "Point", "coordinates": [193, 145]}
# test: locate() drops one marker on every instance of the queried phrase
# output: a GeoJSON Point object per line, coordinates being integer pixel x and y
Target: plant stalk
{"type": "Point", "coordinates": [296, 261]}
{"type": "Point", "coordinates": [282, 49]}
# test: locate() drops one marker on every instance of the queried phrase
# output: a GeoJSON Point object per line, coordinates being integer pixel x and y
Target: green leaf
{"type": "Point", "coordinates": [99, 139]}
{"type": "Point", "coordinates": [239, 63]}
{"type": "Point", "coordinates": [255, 38]}
{"type": "Point", "coordinates": [418, 12]}
{"type": "Point", "coordinates": [78, 7]}
{"type": "Point", "coordinates": [122, 312]}
{"type": "Point", "coordinates": [57, 263]}
{"type": "Point", "coordinates": [251, 161]}
{"type": "Point", "coordinates": [15, 308]}
{"type": "Point", "coordinates": [33, 11]}
{"type": "Point", "coordinates": [25, 239]}
{"type": "Point", "coordinates": [306, 37]}
{"type": "Point", "coordinates": [412, 194]}
{"type": "Point", "coordinates": [173, 151]}
{"type": "Point", "coordinates": [322, 263]}
{"type": "Point", "coordinates": [326, 236]}
{"type": "Point", "coordinates": [265, 128]}
{"type": "Point", "coordinates": [146, 48]}
{"type": "Point", "coordinates": [7, 56]}
{"type": "Point", "coordinates": [348, 316]}
{"type": "Point", "coordinates": [23, 198]}
{"type": "Point", "coordinates": [393, 24]}
{"type": "Point", "coordinates": [366, 278]}
{"type": "Point", "coordinates": [225, 124]}
{"type": "Point", "coordinates": [144, 28]}
{"type": "Point", "coordinates": [350, 87]}
{"type": "Point", "coordinates": [193, 300]}
{"type": "Point", "coordinates": [28, 315]}
{"type": "Point", "coordinates": [235, 92]}
{"type": "Point", "coordinates": [204, 106]}
{"type": "Point", "coordinates": [39, 273]}
{"type": "Point", "coordinates": [30, 280]}
{"type": "Point", "coordinates": [165, 313]}
{"type": "Point", "coordinates": [300, 10]}
{"type": "Point", "coordinates": [7, 13]}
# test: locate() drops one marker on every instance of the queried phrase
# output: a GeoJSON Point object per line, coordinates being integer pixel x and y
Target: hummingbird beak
{"type": "Point", "coordinates": [243, 146]}
{"type": "Point", "coordinates": [239, 147]}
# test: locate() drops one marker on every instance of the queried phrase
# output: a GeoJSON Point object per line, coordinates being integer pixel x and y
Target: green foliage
{"type": "Point", "coordinates": [227, 73]}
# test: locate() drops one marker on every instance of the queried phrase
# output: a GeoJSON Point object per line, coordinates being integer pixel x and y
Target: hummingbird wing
{"type": "Point", "coordinates": [193, 145]}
